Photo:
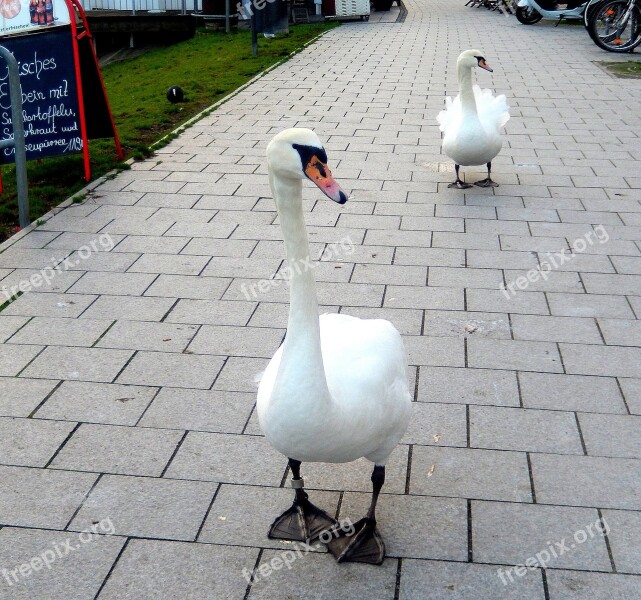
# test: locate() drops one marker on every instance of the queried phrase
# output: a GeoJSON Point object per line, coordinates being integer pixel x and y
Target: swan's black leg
{"type": "Point", "coordinates": [365, 544]}
{"type": "Point", "coordinates": [488, 181]}
{"type": "Point", "coordinates": [303, 521]}
{"type": "Point", "coordinates": [459, 184]}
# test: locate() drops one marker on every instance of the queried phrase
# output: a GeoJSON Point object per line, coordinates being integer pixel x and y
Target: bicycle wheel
{"type": "Point", "coordinates": [589, 11]}
{"type": "Point", "coordinates": [616, 26]}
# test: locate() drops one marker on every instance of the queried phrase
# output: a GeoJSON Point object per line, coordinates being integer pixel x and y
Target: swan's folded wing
{"type": "Point", "coordinates": [451, 113]}
{"type": "Point", "coordinates": [492, 110]}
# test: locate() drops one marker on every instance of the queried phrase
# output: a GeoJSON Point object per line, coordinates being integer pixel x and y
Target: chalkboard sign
{"type": "Point", "coordinates": [49, 95]}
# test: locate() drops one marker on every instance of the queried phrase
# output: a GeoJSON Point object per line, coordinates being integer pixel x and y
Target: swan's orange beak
{"type": "Point", "coordinates": [485, 66]}
{"type": "Point", "coordinates": [318, 172]}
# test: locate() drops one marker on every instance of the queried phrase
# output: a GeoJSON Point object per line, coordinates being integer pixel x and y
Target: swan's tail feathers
{"type": "Point", "coordinates": [450, 114]}
{"type": "Point", "coordinates": [491, 109]}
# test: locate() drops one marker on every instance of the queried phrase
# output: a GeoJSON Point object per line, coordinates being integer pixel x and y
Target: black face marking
{"type": "Point", "coordinates": [479, 58]}
{"type": "Point", "coordinates": [307, 152]}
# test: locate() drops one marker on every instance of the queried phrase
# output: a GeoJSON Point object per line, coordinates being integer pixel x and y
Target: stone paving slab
{"type": "Point", "coordinates": [128, 381]}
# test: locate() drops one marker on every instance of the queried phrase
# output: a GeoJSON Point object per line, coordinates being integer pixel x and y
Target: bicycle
{"type": "Point", "coordinates": [615, 25]}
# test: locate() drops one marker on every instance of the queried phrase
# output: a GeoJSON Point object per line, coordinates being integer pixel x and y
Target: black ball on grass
{"type": "Point", "coordinates": [175, 94]}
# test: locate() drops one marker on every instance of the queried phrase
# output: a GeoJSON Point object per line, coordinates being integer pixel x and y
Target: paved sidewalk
{"type": "Point", "coordinates": [127, 384]}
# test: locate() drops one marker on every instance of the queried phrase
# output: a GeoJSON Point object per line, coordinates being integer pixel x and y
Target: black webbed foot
{"type": "Point", "coordinates": [365, 545]}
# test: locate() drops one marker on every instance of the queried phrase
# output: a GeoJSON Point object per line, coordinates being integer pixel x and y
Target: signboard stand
{"type": "Point", "coordinates": [63, 95]}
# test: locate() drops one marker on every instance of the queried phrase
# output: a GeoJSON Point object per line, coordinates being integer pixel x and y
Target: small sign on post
{"type": "Point", "coordinates": [64, 100]}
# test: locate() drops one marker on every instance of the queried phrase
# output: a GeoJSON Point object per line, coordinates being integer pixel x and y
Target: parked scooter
{"type": "Point", "coordinates": [529, 12]}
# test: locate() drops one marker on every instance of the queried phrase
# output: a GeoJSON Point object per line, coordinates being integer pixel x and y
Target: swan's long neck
{"type": "Point", "coordinates": [302, 360]}
{"type": "Point", "coordinates": [466, 91]}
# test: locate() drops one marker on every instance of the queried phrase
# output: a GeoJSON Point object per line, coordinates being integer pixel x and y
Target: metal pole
{"type": "Point", "coordinates": [183, 7]}
{"type": "Point", "coordinates": [15, 91]}
{"type": "Point", "coordinates": [254, 34]}
{"type": "Point", "coordinates": [227, 27]}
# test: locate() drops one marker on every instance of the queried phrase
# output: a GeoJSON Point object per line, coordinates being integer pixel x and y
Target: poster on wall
{"type": "Point", "coordinates": [29, 16]}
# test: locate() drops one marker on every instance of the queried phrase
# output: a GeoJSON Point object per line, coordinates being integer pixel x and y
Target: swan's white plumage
{"type": "Point", "coordinates": [365, 368]}
{"type": "Point", "coordinates": [472, 137]}
{"type": "Point", "coordinates": [336, 390]}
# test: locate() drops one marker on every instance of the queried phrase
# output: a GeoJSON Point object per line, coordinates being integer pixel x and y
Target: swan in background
{"type": "Point", "coordinates": [336, 390]}
{"type": "Point", "coordinates": [471, 122]}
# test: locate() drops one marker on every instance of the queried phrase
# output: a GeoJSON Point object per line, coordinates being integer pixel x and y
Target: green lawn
{"type": "Point", "coordinates": [207, 68]}
{"type": "Point", "coordinates": [628, 69]}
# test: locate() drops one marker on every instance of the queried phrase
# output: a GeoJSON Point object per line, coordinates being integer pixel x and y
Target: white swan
{"type": "Point", "coordinates": [336, 390]}
{"type": "Point", "coordinates": [471, 122]}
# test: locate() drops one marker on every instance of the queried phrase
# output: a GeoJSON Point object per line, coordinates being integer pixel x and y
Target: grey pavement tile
{"type": "Point", "coordinates": [451, 323]}
{"type": "Point", "coordinates": [436, 424]}
{"type": "Point", "coordinates": [41, 497]}
{"type": "Point", "coordinates": [435, 351]}
{"type": "Point", "coordinates": [465, 278]}
{"type": "Point", "coordinates": [147, 507]}
{"type": "Point", "coordinates": [145, 335]}
{"type": "Point", "coordinates": [59, 331]}
{"type": "Point", "coordinates": [211, 312]}
{"type": "Point", "coordinates": [49, 305]}
{"type": "Point", "coordinates": [84, 364]}
{"type": "Point", "coordinates": [557, 281]}
{"type": "Point", "coordinates": [225, 524]}
{"type": "Point", "coordinates": [19, 397]}
{"type": "Point", "coordinates": [315, 576]}
{"type": "Point", "coordinates": [30, 280]}
{"type": "Point", "coordinates": [200, 410]}
{"type": "Point", "coordinates": [217, 247]}
{"type": "Point", "coordinates": [470, 473]}
{"type": "Point", "coordinates": [632, 391]}
{"type": "Point", "coordinates": [107, 403]}
{"type": "Point", "coordinates": [116, 262]}
{"type": "Point", "coordinates": [117, 449]}
{"type": "Point", "coordinates": [468, 386]}
{"type": "Point", "coordinates": [623, 529]}
{"type": "Point", "coordinates": [621, 332]}
{"type": "Point", "coordinates": [389, 274]}
{"type": "Point", "coordinates": [589, 305]}
{"type": "Point", "coordinates": [129, 308]}
{"type": "Point", "coordinates": [241, 374]}
{"type": "Point", "coordinates": [597, 283]}
{"type": "Point", "coordinates": [524, 429]}
{"type": "Point", "coordinates": [512, 534]}
{"type": "Point", "coordinates": [152, 243]}
{"type": "Point", "coordinates": [257, 268]}
{"type": "Point", "coordinates": [9, 325]}
{"type": "Point", "coordinates": [443, 257]}
{"type": "Point", "coordinates": [572, 585]}
{"type": "Point", "coordinates": [237, 341]}
{"type": "Point", "coordinates": [464, 581]}
{"type": "Point", "coordinates": [180, 570]}
{"type": "Point", "coordinates": [415, 526]}
{"type": "Point", "coordinates": [171, 369]}
{"type": "Point", "coordinates": [30, 442]}
{"type": "Point", "coordinates": [611, 361]}
{"type": "Point", "coordinates": [188, 286]}
{"type": "Point", "coordinates": [587, 481]}
{"type": "Point", "coordinates": [356, 476]}
{"type": "Point", "coordinates": [76, 575]}
{"type": "Point", "coordinates": [571, 392]}
{"type": "Point", "coordinates": [13, 359]}
{"type": "Point", "coordinates": [611, 435]}
{"type": "Point", "coordinates": [444, 298]}
{"type": "Point", "coordinates": [514, 355]}
{"type": "Point", "coordinates": [506, 301]}
{"type": "Point", "coordinates": [179, 264]}
{"type": "Point", "coordinates": [117, 284]}
{"type": "Point", "coordinates": [555, 329]}
{"type": "Point", "coordinates": [227, 458]}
